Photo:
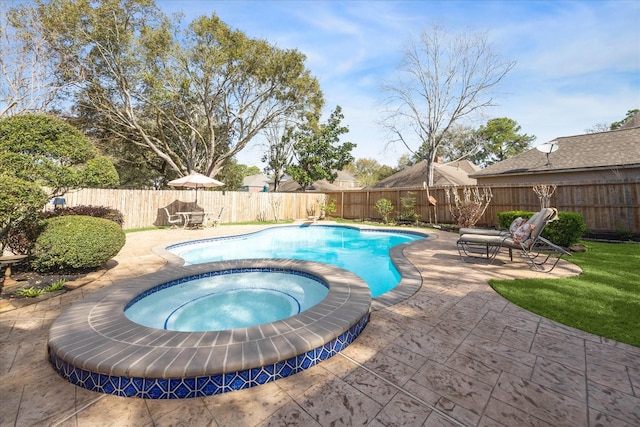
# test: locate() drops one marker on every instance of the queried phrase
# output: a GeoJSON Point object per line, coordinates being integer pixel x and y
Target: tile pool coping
{"type": "Point", "coordinates": [95, 346]}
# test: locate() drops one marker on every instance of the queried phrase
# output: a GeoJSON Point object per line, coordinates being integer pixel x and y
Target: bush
{"type": "Point", "coordinates": [565, 231]}
{"type": "Point", "coordinates": [20, 205]}
{"type": "Point", "coordinates": [94, 211]}
{"type": "Point", "coordinates": [72, 243]}
{"type": "Point", "coordinates": [384, 207]}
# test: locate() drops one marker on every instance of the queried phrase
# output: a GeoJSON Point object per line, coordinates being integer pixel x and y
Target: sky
{"type": "Point", "coordinates": [577, 62]}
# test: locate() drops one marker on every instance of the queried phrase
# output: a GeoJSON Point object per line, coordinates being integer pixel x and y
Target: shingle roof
{"type": "Point", "coordinates": [593, 150]}
{"type": "Point", "coordinates": [255, 180]}
{"type": "Point", "coordinates": [291, 186]}
{"type": "Point", "coordinates": [443, 174]}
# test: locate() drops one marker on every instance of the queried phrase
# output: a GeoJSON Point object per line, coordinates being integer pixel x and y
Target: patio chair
{"type": "Point", "coordinates": [213, 222]}
{"type": "Point", "coordinates": [195, 219]}
{"type": "Point", "coordinates": [173, 219]}
{"type": "Point", "coordinates": [536, 249]}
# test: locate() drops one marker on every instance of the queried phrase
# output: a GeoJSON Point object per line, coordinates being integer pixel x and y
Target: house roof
{"type": "Point", "coordinates": [454, 173]}
{"type": "Point", "coordinates": [291, 186]}
{"type": "Point", "coordinates": [288, 185]}
{"type": "Point", "coordinates": [617, 148]}
{"type": "Point", "coordinates": [632, 123]}
{"type": "Point", "coordinates": [255, 180]}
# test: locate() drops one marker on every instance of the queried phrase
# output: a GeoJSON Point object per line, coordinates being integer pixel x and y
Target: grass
{"type": "Point", "coordinates": [604, 300]}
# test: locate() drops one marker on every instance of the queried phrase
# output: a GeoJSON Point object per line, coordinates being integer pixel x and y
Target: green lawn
{"type": "Point", "coordinates": [604, 300]}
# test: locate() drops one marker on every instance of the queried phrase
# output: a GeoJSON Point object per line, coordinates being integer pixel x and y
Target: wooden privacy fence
{"type": "Point", "coordinates": [144, 208]}
{"type": "Point", "coordinates": [606, 207]}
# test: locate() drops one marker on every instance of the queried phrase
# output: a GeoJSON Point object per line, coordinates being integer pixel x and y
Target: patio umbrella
{"type": "Point", "coordinates": [195, 180]}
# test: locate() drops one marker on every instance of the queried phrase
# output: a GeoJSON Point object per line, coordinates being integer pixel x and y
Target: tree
{"type": "Point", "coordinates": [369, 171]}
{"type": "Point", "coordinates": [598, 127]}
{"type": "Point", "coordinates": [317, 152]}
{"type": "Point", "coordinates": [629, 116]}
{"type": "Point", "coordinates": [233, 174]}
{"type": "Point", "coordinates": [461, 142]}
{"type": "Point", "coordinates": [404, 162]}
{"type": "Point", "coordinates": [26, 85]}
{"type": "Point", "coordinates": [279, 152]}
{"type": "Point", "coordinates": [606, 127]}
{"type": "Point", "coordinates": [50, 152]}
{"type": "Point", "coordinates": [443, 79]}
{"type": "Point", "coordinates": [501, 141]}
{"type": "Point", "coordinates": [192, 97]}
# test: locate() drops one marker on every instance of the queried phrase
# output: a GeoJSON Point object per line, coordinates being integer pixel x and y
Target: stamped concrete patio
{"type": "Point", "coordinates": [454, 354]}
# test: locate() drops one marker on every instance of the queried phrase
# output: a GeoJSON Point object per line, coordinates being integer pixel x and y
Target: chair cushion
{"type": "Point", "coordinates": [522, 233]}
{"type": "Point", "coordinates": [517, 223]}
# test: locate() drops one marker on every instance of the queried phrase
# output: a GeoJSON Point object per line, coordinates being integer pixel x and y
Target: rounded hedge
{"type": "Point", "coordinates": [71, 243]}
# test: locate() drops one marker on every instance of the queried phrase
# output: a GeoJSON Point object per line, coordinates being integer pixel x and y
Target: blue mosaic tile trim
{"type": "Point", "coordinates": [220, 273]}
{"type": "Point", "coordinates": [181, 388]}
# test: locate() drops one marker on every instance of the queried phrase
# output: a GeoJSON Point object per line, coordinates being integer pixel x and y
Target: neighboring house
{"type": "Point", "coordinates": [347, 181]}
{"type": "Point", "coordinates": [255, 183]}
{"type": "Point", "coordinates": [603, 157]}
{"type": "Point", "coordinates": [444, 174]}
{"type": "Point", "coordinates": [344, 181]}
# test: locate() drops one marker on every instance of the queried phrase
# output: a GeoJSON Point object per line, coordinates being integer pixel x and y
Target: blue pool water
{"type": "Point", "coordinates": [227, 301]}
{"type": "Point", "coordinates": [363, 252]}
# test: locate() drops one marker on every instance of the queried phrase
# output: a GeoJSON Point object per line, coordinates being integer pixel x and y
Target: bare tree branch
{"type": "Point", "coordinates": [442, 79]}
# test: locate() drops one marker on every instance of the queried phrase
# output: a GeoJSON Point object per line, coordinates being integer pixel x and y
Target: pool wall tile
{"type": "Point", "coordinates": [111, 354]}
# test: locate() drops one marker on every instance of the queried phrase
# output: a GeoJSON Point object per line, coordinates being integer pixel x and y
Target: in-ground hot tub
{"type": "Point", "coordinates": [95, 346]}
{"type": "Point", "coordinates": [227, 299]}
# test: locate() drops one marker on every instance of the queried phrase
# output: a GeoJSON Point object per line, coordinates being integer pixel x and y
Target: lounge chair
{"type": "Point", "coordinates": [493, 231]}
{"type": "Point", "coordinates": [535, 248]}
{"type": "Point", "coordinates": [173, 219]}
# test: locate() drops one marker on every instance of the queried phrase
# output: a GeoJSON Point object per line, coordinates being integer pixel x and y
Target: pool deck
{"type": "Point", "coordinates": [453, 354]}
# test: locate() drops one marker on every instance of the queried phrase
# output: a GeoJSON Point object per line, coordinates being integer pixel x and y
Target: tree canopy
{"type": "Point", "coordinates": [191, 96]}
{"type": "Point", "coordinates": [317, 151]}
{"type": "Point", "coordinates": [501, 140]}
{"type": "Point", "coordinates": [369, 171]}
{"type": "Point", "coordinates": [43, 149]}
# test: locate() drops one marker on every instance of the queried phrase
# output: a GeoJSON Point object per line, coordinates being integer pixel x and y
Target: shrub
{"type": "Point", "coordinates": [565, 231]}
{"type": "Point", "coordinates": [72, 243]}
{"type": "Point", "coordinates": [94, 211]}
{"type": "Point", "coordinates": [468, 213]}
{"type": "Point", "coordinates": [407, 208]}
{"type": "Point", "coordinates": [20, 204]}
{"type": "Point", "coordinates": [384, 207]}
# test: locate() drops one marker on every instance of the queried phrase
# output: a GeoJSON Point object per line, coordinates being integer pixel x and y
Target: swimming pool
{"type": "Point", "coordinates": [94, 345]}
{"type": "Point", "coordinates": [365, 252]}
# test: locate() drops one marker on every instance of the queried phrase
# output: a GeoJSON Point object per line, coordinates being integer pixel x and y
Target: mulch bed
{"type": "Point", "coordinates": [31, 279]}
